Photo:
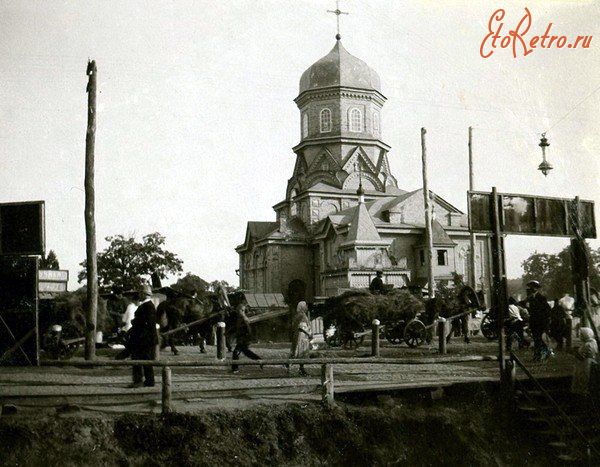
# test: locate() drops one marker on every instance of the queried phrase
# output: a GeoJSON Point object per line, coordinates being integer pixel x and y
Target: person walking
{"type": "Point", "coordinates": [301, 335]}
{"type": "Point", "coordinates": [514, 325]}
{"type": "Point", "coordinates": [243, 336]}
{"type": "Point", "coordinates": [539, 320]}
{"type": "Point", "coordinates": [143, 338]}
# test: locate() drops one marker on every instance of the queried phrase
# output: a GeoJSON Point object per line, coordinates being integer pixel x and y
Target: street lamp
{"type": "Point", "coordinates": [545, 166]}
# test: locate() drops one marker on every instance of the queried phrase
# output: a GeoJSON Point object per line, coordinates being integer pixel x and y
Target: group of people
{"type": "Point", "coordinates": [301, 336]}
{"type": "Point", "coordinates": [544, 321]}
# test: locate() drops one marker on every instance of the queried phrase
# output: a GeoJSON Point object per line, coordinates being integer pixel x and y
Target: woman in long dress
{"type": "Point", "coordinates": [301, 334]}
{"type": "Point", "coordinates": [585, 354]}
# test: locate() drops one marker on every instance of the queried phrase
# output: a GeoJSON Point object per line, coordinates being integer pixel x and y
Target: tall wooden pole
{"type": "Point", "coordinates": [428, 227]}
{"type": "Point", "coordinates": [473, 274]}
{"type": "Point", "coordinates": [90, 223]}
{"type": "Point", "coordinates": [499, 274]}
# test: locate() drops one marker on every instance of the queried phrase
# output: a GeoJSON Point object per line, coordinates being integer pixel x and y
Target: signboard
{"type": "Point", "coordinates": [52, 282]}
{"type": "Point", "coordinates": [531, 215]}
{"type": "Point", "coordinates": [22, 228]}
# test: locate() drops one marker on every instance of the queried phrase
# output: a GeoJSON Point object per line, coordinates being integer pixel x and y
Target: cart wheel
{"type": "Point", "coordinates": [393, 334]}
{"type": "Point", "coordinates": [489, 327]}
{"type": "Point", "coordinates": [415, 333]}
{"type": "Point", "coordinates": [352, 341]}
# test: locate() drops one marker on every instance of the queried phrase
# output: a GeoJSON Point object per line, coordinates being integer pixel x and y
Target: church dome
{"type": "Point", "coordinates": [339, 68]}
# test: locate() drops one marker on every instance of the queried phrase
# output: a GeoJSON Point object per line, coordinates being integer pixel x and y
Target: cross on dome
{"type": "Point", "coordinates": [337, 12]}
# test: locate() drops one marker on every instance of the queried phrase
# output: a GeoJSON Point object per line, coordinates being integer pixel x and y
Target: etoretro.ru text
{"type": "Point", "coordinates": [520, 44]}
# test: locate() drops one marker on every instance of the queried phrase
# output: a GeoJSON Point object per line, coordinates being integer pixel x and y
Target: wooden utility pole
{"type": "Point", "coordinates": [499, 275]}
{"type": "Point", "coordinates": [473, 275]}
{"type": "Point", "coordinates": [428, 228]}
{"type": "Point", "coordinates": [90, 223]}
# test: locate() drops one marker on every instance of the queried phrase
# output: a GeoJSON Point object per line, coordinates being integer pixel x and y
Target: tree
{"type": "Point", "coordinates": [190, 284]}
{"type": "Point", "coordinates": [214, 285]}
{"type": "Point", "coordinates": [50, 261]}
{"type": "Point", "coordinates": [126, 261]}
{"type": "Point", "coordinates": [553, 271]}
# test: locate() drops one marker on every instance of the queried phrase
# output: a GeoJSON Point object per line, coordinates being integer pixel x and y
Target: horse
{"type": "Point", "coordinates": [179, 310]}
{"type": "Point", "coordinates": [462, 301]}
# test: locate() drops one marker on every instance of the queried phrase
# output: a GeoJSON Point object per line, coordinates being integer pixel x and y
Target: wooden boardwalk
{"type": "Point", "coordinates": [40, 390]}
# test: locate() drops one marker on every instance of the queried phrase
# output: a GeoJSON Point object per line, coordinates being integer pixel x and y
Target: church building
{"type": "Point", "coordinates": [343, 216]}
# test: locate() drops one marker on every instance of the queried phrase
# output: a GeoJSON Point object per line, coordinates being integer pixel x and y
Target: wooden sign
{"type": "Point", "coordinates": [22, 228]}
{"type": "Point", "coordinates": [53, 275]}
{"type": "Point", "coordinates": [532, 215]}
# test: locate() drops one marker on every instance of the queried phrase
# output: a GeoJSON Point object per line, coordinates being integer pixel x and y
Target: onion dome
{"type": "Point", "coordinates": [339, 68]}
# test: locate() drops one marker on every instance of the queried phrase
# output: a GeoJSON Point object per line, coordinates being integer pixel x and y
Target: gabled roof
{"type": "Point", "coordinates": [261, 229]}
{"type": "Point", "coordinates": [440, 237]}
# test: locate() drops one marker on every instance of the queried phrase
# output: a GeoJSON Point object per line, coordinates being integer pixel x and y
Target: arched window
{"type": "Point", "coordinates": [294, 205]}
{"type": "Point", "coordinates": [304, 125]}
{"type": "Point", "coordinates": [376, 122]}
{"type": "Point", "coordinates": [356, 123]}
{"type": "Point", "coordinates": [325, 121]}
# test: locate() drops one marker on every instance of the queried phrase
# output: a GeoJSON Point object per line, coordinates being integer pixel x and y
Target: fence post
{"type": "Point", "coordinates": [166, 390]}
{"type": "Point", "coordinates": [441, 325]}
{"type": "Point", "coordinates": [327, 384]}
{"type": "Point", "coordinates": [375, 339]}
{"type": "Point", "coordinates": [511, 375]}
{"type": "Point", "coordinates": [569, 336]}
{"type": "Point", "coordinates": [220, 340]}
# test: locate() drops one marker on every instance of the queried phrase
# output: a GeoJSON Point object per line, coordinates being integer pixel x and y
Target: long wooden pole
{"type": "Point", "coordinates": [473, 274]}
{"type": "Point", "coordinates": [498, 261]}
{"type": "Point", "coordinates": [428, 227]}
{"type": "Point", "coordinates": [90, 223]}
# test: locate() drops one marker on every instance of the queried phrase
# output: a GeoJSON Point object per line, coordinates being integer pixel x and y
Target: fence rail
{"type": "Point", "coordinates": [327, 364]}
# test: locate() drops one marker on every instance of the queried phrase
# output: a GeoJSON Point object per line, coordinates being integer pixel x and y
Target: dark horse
{"type": "Point", "coordinates": [459, 302]}
{"type": "Point", "coordinates": [179, 311]}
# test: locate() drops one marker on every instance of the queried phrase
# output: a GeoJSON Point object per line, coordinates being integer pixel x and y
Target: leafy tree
{"type": "Point", "coordinates": [50, 261]}
{"type": "Point", "coordinates": [554, 271]}
{"type": "Point", "coordinates": [228, 288]}
{"type": "Point", "coordinates": [190, 284]}
{"type": "Point", "coordinates": [126, 261]}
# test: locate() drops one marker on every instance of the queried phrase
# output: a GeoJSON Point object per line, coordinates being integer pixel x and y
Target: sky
{"type": "Point", "coordinates": [196, 118]}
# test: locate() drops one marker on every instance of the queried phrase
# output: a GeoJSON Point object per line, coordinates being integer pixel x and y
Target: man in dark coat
{"type": "Point", "coordinates": [539, 320]}
{"type": "Point", "coordinates": [143, 338]}
{"type": "Point", "coordinates": [242, 336]}
{"type": "Point", "coordinates": [376, 287]}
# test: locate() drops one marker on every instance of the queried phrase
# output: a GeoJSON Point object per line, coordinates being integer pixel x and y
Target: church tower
{"type": "Point", "coordinates": [340, 104]}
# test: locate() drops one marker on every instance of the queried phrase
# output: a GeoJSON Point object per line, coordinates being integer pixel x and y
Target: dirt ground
{"type": "Point", "coordinates": [467, 427]}
{"type": "Point", "coordinates": [268, 417]}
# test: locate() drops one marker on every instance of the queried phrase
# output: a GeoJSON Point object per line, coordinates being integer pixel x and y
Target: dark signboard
{"type": "Point", "coordinates": [22, 228]}
{"type": "Point", "coordinates": [532, 215]}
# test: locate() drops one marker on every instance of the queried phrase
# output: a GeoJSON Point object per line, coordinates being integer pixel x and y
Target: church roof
{"type": "Point", "coordinates": [439, 235]}
{"type": "Point", "coordinates": [362, 228]}
{"type": "Point", "coordinates": [339, 68]}
{"type": "Point", "coordinates": [261, 229]}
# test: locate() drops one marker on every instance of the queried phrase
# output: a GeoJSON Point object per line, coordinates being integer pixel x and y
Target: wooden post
{"type": "Point", "coordinates": [510, 376]}
{"type": "Point", "coordinates": [220, 340]}
{"type": "Point", "coordinates": [499, 273]}
{"type": "Point", "coordinates": [472, 263]}
{"type": "Point", "coordinates": [428, 228]}
{"type": "Point", "coordinates": [90, 223]}
{"type": "Point", "coordinates": [441, 326]}
{"type": "Point", "coordinates": [327, 385]}
{"type": "Point", "coordinates": [375, 338]}
{"type": "Point", "coordinates": [569, 326]}
{"type": "Point", "coordinates": [166, 390]}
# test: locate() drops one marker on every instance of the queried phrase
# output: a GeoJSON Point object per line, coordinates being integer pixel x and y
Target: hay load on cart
{"type": "Point", "coordinates": [351, 314]}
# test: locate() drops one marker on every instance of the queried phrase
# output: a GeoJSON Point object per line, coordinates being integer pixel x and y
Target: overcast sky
{"type": "Point", "coordinates": [196, 115]}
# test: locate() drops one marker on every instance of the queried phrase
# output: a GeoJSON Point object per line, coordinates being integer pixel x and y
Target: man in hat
{"type": "Point", "coordinates": [376, 287]}
{"type": "Point", "coordinates": [143, 338]}
{"type": "Point", "coordinates": [539, 320]}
